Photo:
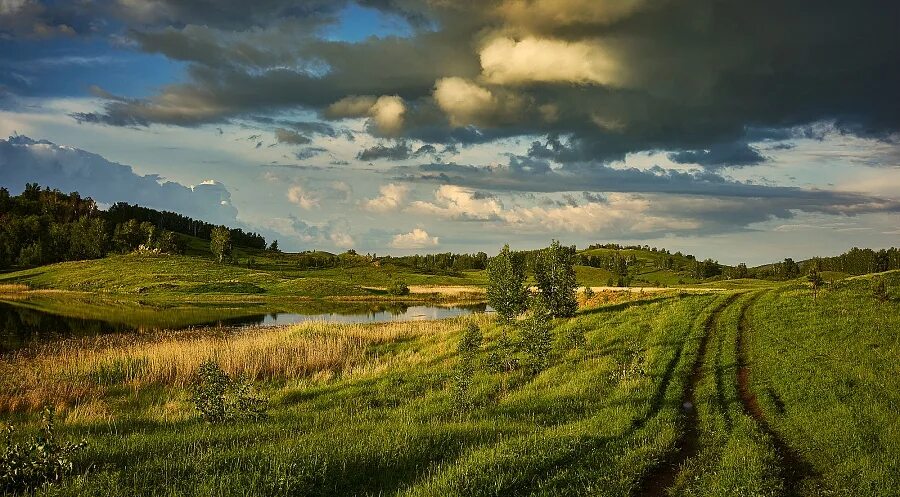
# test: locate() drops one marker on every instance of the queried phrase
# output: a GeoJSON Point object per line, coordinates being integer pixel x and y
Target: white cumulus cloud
{"type": "Point", "coordinates": [415, 239]}
{"type": "Point", "coordinates": [392, 198]}
{"type": "Point", "coordinates": [299, 196]}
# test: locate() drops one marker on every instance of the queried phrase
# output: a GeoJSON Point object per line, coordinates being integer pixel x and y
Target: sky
{"type": "Point", "coordinates": [741, 131]}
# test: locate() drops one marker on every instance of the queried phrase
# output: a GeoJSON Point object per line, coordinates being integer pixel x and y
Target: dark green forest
{"type": "Point", "coordinates": [43, 225]}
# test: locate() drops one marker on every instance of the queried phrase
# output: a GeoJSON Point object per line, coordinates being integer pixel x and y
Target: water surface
{"type": "Point", "coordinates": [48, 318]}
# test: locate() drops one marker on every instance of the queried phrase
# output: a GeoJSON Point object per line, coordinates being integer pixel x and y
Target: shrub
{"type": "Point", "coordinates": [40, 460]}
{"type": "Point", "coordinates": [588, 293]}
{"type": "Point", "coordinates": [469, 345]}
{"type": "Point", "coordinates": [219, 398]}
{"type": "Point", "coordinates": [535, 335]}
{"type": "Point", "coordinates": [398, 288]}
{"type": "Point", "coordinates": [815, 281]}
{"type": "Point", "coordinates": [879, 290]}
{"type": "Point", "coordinates": [471, 340]}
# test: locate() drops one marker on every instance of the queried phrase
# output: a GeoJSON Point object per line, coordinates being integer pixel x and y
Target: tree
{"type": "Point", "coordinates": [166, 242]}
{"type": "Point", "coordinates": [554, 270]}
{"type": "Point", "coordinates": [397, 288]}
{"type": "Point", "coordinates": [273, 247]}
{"type": "Point", "coordinates": [535, 335]}
{"type": "Point", "coordinates": [815, 281]}
{"type": "Point", "coordinates": [220, 243]}
{"type": "Point", "coordinates": [506, 290]}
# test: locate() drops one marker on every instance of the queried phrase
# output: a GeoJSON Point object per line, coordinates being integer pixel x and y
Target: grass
{"type": "Point", "coordinates": [196, 277]}
{"type": "Point", "coordinates": [827, 375]}
{"type": "Point", "coordinates": [369, 408]}
{"type": "Point", "coordinates": [793, 395]}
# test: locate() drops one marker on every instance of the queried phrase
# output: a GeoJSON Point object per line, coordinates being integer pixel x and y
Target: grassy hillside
{"type": "Point", "coordinates": [649, 268]}
{"type": "Point", "coordinates": [162, 275]}
{"type": "Point", "coordinates": [793, 395]}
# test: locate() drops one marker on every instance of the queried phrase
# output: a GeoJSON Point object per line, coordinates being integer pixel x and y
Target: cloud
{"type": "Point", "coordinates": [464, 102]}
{"type": "Point", "coordinates": [309, 152]}
{"type": "Point", "coordinates": [385, 112]}
{"type": "Point", "coordinates": [24, 160]}
{"type": "Point", "coordinates": [415, 239]}
{"type": "Point", "coordinates": [454, 202]}
{"type": "Point", "coordinates": [549, 15]}
{"type": "Point", "coordinates": [725, 204]}
{"type": "Point", "coordinates": [335, 233]}
{"type": "Point", "coordinates": [392, 197]}
{"type": "Point", "coordinates": [299, 196]}
{"type": "Point", "coordinates": [351, 106]}
{"type": "Point", "coordinates": [538, 60]}
{"type": "Point", "coordinates": [613, 76]}
{"type": "Point", "coordinates": [291, 137]}
{"type": "Point", "coordinates": [719, 155]}
{"type": "Point", "coordinates": [399, 151]}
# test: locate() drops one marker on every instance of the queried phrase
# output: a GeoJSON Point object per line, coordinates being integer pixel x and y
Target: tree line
{"type": "Point", "coordinates": [172, 221]}
{"type": "Point", "coordinates": [43, 226]}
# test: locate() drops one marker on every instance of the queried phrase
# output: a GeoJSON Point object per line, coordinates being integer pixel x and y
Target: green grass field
{"type": "Point", "coordinates": [195, 276]}
{"type": "Point", "coordinates": [789, 395]}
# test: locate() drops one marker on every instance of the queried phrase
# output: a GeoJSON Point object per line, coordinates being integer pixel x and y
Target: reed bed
{"type": "Point", "coordinates": [69, 372]}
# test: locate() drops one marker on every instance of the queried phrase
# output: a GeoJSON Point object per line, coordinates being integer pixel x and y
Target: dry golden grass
{"type": "Point", "coordinates": [75, 372]}
{"type": "Point", "coordinates": [605, 297]}
{"type": "Point", "coordinates": [13, 288]}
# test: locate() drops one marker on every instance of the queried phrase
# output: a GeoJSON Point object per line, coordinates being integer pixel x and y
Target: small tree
{"type": "Point", "coordinates": [879, 290]}
{"type": "Point", "coordinates": [166, 242]}
{"type": "Point", "coordinates": [554, 270]}
{"type": "Point", "coordinates": [220, 243]}
{"type": "Point", "coordinates": [37, 461]}
{"type": "Point", "coordinates": [535, 335]}
{"type": "Point", "coordinates": [397, 288]}
{"type": "Point", "coordinates": [506, 290]}
{"type": "Point", "coordinates": [815, 281]}
{"type": "Point", "coordinates": [468, 347]}
{"type": "Point", "coordinates": [219, 398]}
{"type": "Point", "coordinates": [273, 247]}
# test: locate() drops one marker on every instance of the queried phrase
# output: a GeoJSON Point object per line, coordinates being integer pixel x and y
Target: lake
{"type": "Point", "coordinates": [49, 318]}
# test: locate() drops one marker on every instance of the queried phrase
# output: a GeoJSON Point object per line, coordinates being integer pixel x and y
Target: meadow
{"type": "Point", "coordinates": [758, 390]}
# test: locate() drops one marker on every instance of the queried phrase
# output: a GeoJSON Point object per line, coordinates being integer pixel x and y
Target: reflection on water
{"type": "Point", "coordinates": [24, 322]}
{"type": "Point", "coordinates": [392, 313]}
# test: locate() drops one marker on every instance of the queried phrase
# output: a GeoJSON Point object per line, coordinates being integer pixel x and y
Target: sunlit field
{"type": "Point", "coordinates": [380, 409]}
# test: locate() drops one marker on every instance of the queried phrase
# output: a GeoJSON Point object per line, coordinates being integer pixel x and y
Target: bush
{"type": "Point", "coordinates": [535, 335]}
{"type": "Point", "coordinates": [469, 345]}
{"type": "Point", "coordinates": [398, 288]}
{"type": "Point", "coordinates": [588, 293]}
{"type": "Point", "coordinates": [40, 460]}
{"type": "Point", "coordinates": [219, 398]}
{"type": "Point", "coordinates": [879, 290]}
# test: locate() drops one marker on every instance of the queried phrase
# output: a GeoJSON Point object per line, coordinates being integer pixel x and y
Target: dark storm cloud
{"type": "Point", "coordinates": [309, 152]}
{"type": "Point", "coordinates": [735, 154]}
{"type": "Point", "coordinates": [399, 151]}
{"type": "Point", "coordinates": [697, 78]}
{"type": "Point", "coordinates": [23, 160]}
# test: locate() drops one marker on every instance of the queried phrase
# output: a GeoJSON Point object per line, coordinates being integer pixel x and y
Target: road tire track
{"type": "Point", "coordinates": [663, 475]}
{"type": "Point", "coordinates": [796, 473]}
